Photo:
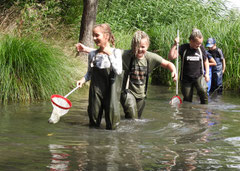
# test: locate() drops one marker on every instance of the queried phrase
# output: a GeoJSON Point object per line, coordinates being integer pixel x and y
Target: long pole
{"type": "Point", "coordinates": [177, 62]}
{"type": "Point", "coordinates": [71, 91]}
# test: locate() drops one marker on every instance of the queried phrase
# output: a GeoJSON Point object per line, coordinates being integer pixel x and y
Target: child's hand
{"type": "Point", "coordinates": [207, 77]}
{"type": "Point", "coordinates": [80, 47]}
{"type": "Point", "coordinates": [81, 82]}
{"type": "Point", "coordinates": [174, 76]}
{"type": "Point", "coordinates": [176, 40]}
{"type": "Point", "coordinates": [107, 50]}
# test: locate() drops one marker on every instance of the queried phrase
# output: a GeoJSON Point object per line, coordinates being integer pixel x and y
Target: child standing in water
{"type": "Point", "coordinates": [104, 64]}
{"type": "Point", "coordinates": [219, 69]}
{"type": "Point", "coordinates": [138, 63]}
{"type": "Point", "coordinates": [193, 60]}
{"type": "Point", "coordinates": [212, 63]}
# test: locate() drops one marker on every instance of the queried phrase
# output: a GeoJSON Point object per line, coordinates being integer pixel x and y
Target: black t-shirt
{"type": "Point", "coordinates": [192, 62]}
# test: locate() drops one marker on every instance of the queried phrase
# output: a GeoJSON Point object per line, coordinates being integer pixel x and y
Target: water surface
{"type": "Point", "coordinates": [191, 137]}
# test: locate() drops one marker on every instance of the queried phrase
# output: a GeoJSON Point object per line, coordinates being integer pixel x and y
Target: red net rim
{"type": "Point", "coordinates": [58, 96]}
{"type": "Point", "coordinates": [178, 98]}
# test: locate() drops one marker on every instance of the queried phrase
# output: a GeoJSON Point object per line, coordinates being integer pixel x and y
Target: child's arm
{"type": "Point", "coordinates": [223, 60]}
{"type": "Point", "coordinates": [173, 51]}
{"type": "Point", "coordinates": [82, 48]}
{"type": "Point", "coordinates": [212, 62]}
{"type": "Point", "coordinates": [224, 65]}
{"type": "Point", "coordinates": [206, 65]}
{"type": "Point", "coordinates": [171, 67]}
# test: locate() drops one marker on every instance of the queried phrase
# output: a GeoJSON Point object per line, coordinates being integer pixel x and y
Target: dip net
{"type": "Point", "coordinates": [61, 106]}
{"type": "Point", "coordinates": [175, 101]}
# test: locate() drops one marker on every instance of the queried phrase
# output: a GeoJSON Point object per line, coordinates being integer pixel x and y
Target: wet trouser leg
{"type": "Point", "coordinates": [95, 108]}
{"type": "Point", "coordinates": [140, 106]}
{"type": "Point", "coordinates": [187, 90]}
{"type": "Point", "coordinates": [108, 119]}
{"type": "Point", "coordinates": [132, 106]}
{"type": "Point", "coordinates": [112, 113]}
{"type": "Point", "coordinates": [201, 91]}
{"type": "Point", "coordinates": [219, 82]}
{"type": "Point", "coordinates": [129, 105]}
{"type": "Point", "coordinates": [104, 95]}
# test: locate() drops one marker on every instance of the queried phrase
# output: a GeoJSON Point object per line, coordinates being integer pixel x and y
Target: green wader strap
{"type": "Point", "coordinates": [147, 77]}
{"type": "Point", "coordinates": [201, 60]}
{"type": "Point", "coordinates": [184, 53]}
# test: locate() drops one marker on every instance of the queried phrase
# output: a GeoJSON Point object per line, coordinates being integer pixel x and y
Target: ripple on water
{"type": "Point", "coordinates": [234, 141]}
{"type": "Point", "coordinates": [132, 125]}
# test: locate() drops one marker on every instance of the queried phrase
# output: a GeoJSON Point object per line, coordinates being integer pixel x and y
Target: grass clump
{"type": "Point", "coordinates": [30, 70]}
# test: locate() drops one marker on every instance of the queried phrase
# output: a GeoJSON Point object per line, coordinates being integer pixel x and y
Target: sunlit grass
{"type": "Point", "coordinates": [30, 70]}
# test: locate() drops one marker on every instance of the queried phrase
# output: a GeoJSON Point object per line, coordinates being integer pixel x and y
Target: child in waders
{"type": "Point", "coordinates": [137, 63]}
{"type": "Point", "coordinates": [212, 62]}
{"type": "Point", "coordinates": [194, 60]}
{"type": "Point", "coordinates": [104, 66]}
{"type": "Point", "coordinates": [219, 69]}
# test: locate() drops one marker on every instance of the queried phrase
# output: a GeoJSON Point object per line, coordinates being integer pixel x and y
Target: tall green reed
{"type": "Point", "coordinates": [30, 70]}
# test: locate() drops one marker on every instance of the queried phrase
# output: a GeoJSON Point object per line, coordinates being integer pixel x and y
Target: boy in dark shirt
{"type": "Point", "coordinates": [218, 70]}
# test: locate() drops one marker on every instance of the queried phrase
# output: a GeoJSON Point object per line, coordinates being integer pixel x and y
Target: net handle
{"type": "Point", "coordinates": [177, 62]}
{"type": "Point", "coordinates": [71, 91]}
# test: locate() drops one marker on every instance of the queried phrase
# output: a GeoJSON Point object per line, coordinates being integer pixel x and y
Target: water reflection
{"type": "Point", "coordinates": [59, 159]}
{"type": "Point", "coordinates": [194, 128]}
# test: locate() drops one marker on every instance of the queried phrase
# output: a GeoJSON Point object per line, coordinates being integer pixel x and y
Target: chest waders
{"type": "Point", "coordinates": [104, 96]}
{"type": "Point", "coordinates": [199, 83]}
{"type": "Point", "coordinates": [217, 73]}
{"type": "Point", "coordinates": [132, 106]}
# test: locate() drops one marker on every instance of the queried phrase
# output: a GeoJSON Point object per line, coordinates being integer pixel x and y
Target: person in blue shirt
{"type": "Point", "coordinates": [219, 69]}
{"type": "Point", "coordinates": [211, 62]}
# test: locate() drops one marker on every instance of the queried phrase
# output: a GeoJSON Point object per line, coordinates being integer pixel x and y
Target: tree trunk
{"type": "Point", "coordinates": [88, 21]}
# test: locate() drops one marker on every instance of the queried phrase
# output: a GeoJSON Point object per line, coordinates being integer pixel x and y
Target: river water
{"type": "Point", "coordinates": [191, 137]}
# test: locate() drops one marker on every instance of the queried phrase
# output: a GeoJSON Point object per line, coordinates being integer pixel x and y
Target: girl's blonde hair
{"type": "Point", "coordinates": [196, 33]}
{"type": "Point", "coordinates": [106, 29]}
{"type": "Point", "coordinates": [137, 37]}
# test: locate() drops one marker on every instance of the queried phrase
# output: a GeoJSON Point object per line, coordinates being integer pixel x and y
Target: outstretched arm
{"type": "Point", "coordinates": [171, 67]}
{"type": "Point", "coordinates": [82, 48]}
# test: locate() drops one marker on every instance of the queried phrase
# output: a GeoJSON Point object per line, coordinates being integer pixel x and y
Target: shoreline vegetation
{"type": "Point", "coordinates": [37, 39]}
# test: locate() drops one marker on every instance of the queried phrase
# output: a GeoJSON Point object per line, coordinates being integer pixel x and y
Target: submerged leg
{"type": "Point", "coordinates": [95, 108]}
{"type": "Point", "coordinates": [129, 105]}
{"type": "Point", "coordinates": [201, 91]}
{"type": "Point", "coordinates": [187, 90]}
{"type": "Point", "coordinates": [140, 106]}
